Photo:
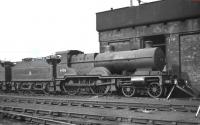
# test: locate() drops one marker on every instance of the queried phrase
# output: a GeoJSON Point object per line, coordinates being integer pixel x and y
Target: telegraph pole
{"type": "Point", "coordinates": [131, 3]}
{"type": "Point", "coordinates": [139, 2]}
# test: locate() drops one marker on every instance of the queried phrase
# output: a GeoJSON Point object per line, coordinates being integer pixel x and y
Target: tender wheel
{"type": "Point", "coordinates": [70, 90]}
{"type": "Point", "coordinates": [101, 89]}
{"type": "Point", "coordinates": [47, 88]}
{"type": "Point", "coordinates": [25, 87]}
{"type": "Point", "coordinates": [155, 90]}
{"type": "Point", "coordinates": [1, 87]}
{"type": "Point", "coordinates": [128, 91]}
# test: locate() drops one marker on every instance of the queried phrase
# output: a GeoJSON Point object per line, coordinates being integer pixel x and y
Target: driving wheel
{"type": "Point", "coordinates": [155, 90]}
{"type": "Point", "coordinates": [128, 91]}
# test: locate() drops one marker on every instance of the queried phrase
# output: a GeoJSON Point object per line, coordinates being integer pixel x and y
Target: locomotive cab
{"type": "Point", "coordinates": [64, 67]}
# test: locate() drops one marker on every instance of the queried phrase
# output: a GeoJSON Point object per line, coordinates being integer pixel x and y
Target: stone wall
{"type": "Point", "coordinates": [190, 58]}
{"type": "Point", "coordinates": [149, 30]}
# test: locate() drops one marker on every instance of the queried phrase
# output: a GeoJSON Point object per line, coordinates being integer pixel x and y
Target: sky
{"type": "Point", "coordinates": [38, 28]}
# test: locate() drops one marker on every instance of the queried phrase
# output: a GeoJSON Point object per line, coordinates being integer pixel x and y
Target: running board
{"type": "Point", "coordinates": [89, 85]}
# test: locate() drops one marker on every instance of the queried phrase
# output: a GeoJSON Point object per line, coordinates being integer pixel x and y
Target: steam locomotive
{"type": "Point", "coordinates": [72, 72]}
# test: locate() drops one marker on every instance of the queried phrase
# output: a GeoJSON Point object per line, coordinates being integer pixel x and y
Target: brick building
{"type": "Point", "coordinates": [173, 25]}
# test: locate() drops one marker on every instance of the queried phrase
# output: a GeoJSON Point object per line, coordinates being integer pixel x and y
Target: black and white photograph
{"type": "Point", "coordinates": [100, 62]}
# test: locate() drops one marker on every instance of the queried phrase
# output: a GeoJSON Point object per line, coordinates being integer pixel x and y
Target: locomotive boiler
{"type": "Point", "coordinates": [117, 62]}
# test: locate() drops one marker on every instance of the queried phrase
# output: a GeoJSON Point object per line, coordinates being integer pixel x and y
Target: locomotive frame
{"type": "Point", "coordinates": [99, 80]}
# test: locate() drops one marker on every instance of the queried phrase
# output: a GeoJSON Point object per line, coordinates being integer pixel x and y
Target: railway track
{"type": "Point", "coordinates": [95, 111]}
{"type": "Point", "coordinates": [30, 118]}
{"type": "Point", "coordinates": [63, 118]}
{"type": "Point", "coordinates": [89, 95]}
{"type": "Point", "coordinates": [95, 103]}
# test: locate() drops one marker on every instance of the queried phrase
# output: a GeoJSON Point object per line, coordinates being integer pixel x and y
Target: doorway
{"type": "Point", "coordinates": [158, 41]}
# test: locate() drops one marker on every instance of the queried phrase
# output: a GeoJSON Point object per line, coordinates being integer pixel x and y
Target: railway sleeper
{"type": "Point", "coordinates": [38, 121]}
{"type": "Point", "coordinates": [55, 103]}
{"type": "Point", "coordinates": [45, 121]}
{"type": "Point", "coordinates": [75, 115]}
{"type": "Point", "coordinates": [43, 101]}
{"type": "Point", "coordinates": [89, 118]}
{"type": "Point", "coordinates": [87, 105]}
{"type": "Point", "coordinates": [109, 118]}
{"type": "Point", "coordinates": [14, 100]}
{"type": "Point", "coordinates": [31, 119]}
{"type": "Point", "coordinates": [47, 102]}
{"type": "Point", "coordinates": [56, 114]}
{"type": "Point", "coordinates": [7, 108]}
{"type": "Point", "coordinates": [162, 122]}
{"type": "Point", "coordinates": [39, 102]}
{"type": "Point", "coordinates": [121, 107]}
{"type": "Point", "coordinates": [96, 106]}
{"type": "Point", "coordinates": [75, 104]}
{"type": "Point", "coordinates": [182, 109]}
{"type": "Point", "coordinates": [30, 111]}
{"type": "Point", "coordinates": [164, 109]}
{"type": "Point", "coordinates": [64, 103]}
{"type": "Point", "coordinates": [93, 117]}
{"type": "Point", "coordinates": [90, 122]}
{"type": "Point", "coordinates": [140, 121]}
{"type": "Point", "coordinates": [18, 109]}
{"type": "Point", "coordinates": [22, 100]}
{"type": "Point", "coordinates": [122, 119]}
{"type": "Point", "coordinates": [109, 106]}
{"type": "Point", "coordinates": [43, 112]}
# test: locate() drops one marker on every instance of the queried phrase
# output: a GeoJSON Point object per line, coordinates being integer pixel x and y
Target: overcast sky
{"type": "Point", "coordinates": [37, 28]}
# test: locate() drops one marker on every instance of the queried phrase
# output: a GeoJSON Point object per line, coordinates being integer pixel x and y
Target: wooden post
{"type": "Point", "coordinates": [197, 111]}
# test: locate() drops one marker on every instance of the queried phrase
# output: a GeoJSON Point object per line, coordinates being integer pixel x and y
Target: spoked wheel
{"type": "Point", "coordinates": [40, 88]}
{"type": "Point", "coordinates": [70, 90]}
{"type": "Point", "coordinates": [46, 88]}
{"type": "Point", "coordinates": [25, 88]}
{"type": "Point", "coordinates": [100, 89]}
{"type": "Point", "coordinates": [6, 87]}
{"type": "Point", "coordinates": [1, 87]}
{"type": "Point", "coordinates": [128, 91]}
{"type": "Point", "coordinates": [155, 90]}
